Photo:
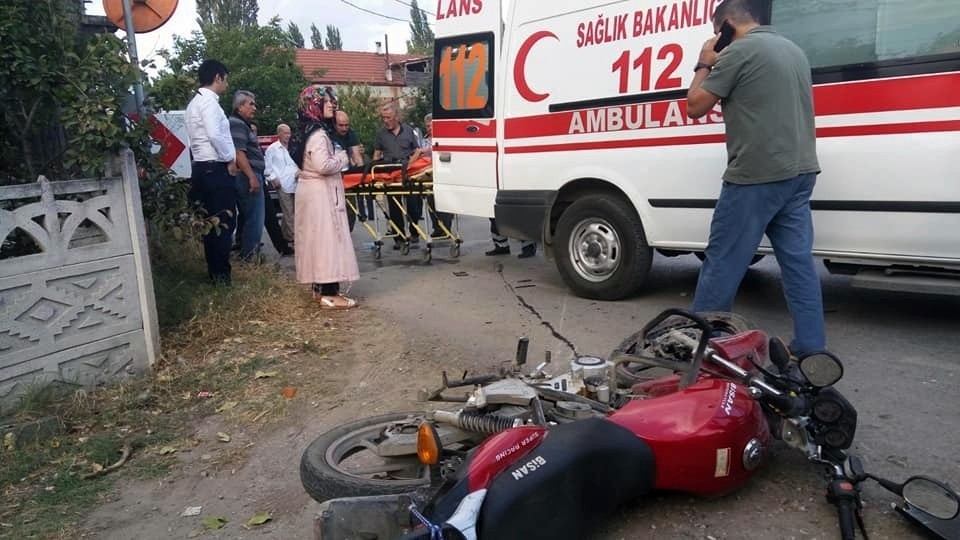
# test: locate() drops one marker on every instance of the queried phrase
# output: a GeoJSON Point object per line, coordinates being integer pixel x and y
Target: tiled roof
{"type": "Point", "coordinates": [351, 66]}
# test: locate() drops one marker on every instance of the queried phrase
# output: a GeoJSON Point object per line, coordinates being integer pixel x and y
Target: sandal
{"type": "Point", "coordinates": [336, 302]}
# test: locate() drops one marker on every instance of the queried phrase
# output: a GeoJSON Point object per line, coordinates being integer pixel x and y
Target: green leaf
{"type": "Point", "coordinates": [259, 519]}
{"type": "Point", "coordinates": [214, 522]}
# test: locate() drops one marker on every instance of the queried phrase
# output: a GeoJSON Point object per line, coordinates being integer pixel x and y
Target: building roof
{"type": "Point", "coordinates": [342, 67]}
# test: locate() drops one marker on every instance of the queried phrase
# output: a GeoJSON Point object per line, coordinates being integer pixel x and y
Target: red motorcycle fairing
{"type": "Point", "coordinates": [500, 451]}
{"type": "Point", "coordinates": [744, 349]}
{"type": "Point", "coordinates": [707, 439]}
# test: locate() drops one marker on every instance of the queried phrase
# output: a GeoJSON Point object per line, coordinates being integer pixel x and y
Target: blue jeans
{"type": "Point", "coordinates": [782, 211]}
{"type": "Point", "coordinates": [252, 211]}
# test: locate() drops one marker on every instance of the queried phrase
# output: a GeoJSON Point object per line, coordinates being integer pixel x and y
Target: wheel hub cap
{"type": "Point", "coordinates": [595, 249]}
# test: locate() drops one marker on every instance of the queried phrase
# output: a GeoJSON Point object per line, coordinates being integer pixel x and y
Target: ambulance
{"type": "Point", "coordinates": [566, 120]}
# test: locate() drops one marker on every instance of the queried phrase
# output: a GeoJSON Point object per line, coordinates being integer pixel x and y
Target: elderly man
{"type": "Point", "coordinates": [213, 166]}
{"type": "Point", "coordinates": [398, 143]}
{"type": "Point", "coordinates": [250, 184]}
{"type": "Point", "coordinates": [347, 138]}
{"type": "Point", "coordinates": [282, 174]}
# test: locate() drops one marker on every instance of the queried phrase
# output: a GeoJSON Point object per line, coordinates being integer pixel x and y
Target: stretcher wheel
{"type": "Point", "coordinates": [405, 248]}
{"type": "Point", "coordinates": [455, 251]}
{"type": "Point", "coordinates": [378, 253]}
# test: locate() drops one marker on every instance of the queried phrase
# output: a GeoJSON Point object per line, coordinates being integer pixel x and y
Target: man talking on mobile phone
{"type": "Point", "coordinates": [762, 81]}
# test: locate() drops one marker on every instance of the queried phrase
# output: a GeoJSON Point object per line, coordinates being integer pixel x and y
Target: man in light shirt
{"type": "Point", "coordinates": [282, 174]}
{"type": "Point", "coordinates": [213, 164]}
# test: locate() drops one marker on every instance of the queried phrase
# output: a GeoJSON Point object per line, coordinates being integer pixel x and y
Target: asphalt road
{"type": "Point", "coordinates": [899, 351]}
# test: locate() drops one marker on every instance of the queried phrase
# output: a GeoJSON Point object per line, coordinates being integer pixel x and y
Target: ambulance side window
{"type": "Point", "coordinates": [463, 77]}
{"type": "Point", "coordinates": [844, 32]}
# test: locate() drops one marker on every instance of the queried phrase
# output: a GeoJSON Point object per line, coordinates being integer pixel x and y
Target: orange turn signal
{"type": "Point", "coordinates": [428, 444]}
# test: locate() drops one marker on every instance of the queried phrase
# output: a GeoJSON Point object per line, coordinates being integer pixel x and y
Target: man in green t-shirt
{"type": "Point", "coordinates": [762, 81]}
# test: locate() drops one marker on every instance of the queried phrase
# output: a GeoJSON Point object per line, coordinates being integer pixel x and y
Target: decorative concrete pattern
{"type": "Point", "coordinates": [80, 312]}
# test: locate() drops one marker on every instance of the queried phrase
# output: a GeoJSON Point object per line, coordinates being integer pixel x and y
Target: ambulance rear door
{"type": "Point", "coordinates": [465, 149]}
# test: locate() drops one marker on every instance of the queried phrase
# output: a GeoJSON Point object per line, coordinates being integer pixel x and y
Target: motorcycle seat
{"type": "Point", "coordinates": [578, 475]}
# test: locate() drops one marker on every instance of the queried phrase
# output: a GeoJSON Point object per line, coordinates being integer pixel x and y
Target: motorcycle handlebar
{"type": "Point", "coordinates": [843, 494]}
{"type": "Point", "coordinates": [845, 511]}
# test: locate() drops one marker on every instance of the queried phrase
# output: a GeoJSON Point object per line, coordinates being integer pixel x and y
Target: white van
{"type": "Point", "coordinates": [568, 123]}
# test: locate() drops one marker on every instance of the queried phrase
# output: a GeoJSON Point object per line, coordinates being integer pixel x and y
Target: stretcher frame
{"type": "Point", "coordinates": [393, 190]}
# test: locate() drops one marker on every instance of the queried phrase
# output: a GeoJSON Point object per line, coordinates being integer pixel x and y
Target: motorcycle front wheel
{"type": "Point", "coordinates": [343, 462]}
{"type": "Point", "coordinates": [724, 323]}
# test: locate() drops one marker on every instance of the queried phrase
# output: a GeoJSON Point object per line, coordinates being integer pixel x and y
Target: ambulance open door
{"type": "Point", "coordinates": [465, 149]}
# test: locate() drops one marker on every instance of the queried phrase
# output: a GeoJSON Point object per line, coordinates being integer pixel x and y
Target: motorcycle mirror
{"type": "Point", "coordinates": [821, 369]}
{"type": "Point", "coordinates": [932, 497]}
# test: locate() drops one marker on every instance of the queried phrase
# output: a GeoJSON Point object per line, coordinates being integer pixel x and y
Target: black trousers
{"type": "Point", "coordinates": [272, 222]}
{"type": "Point", "coordinates": [215, 190]}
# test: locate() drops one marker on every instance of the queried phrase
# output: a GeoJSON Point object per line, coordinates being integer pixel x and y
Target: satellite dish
{"type": "Point", "coordinates": [148, 15]}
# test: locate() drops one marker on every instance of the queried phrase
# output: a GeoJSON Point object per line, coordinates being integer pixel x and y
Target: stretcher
{"type": "Point", "coordinates": [390, 185]}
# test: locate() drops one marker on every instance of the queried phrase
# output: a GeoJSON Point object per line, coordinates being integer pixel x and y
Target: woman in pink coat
{"type": "Point", "coordinates": [324, 255]}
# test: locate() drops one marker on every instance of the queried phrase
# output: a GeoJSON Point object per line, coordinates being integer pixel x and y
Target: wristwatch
{"type": "Point", "coordinates": [701, 65]}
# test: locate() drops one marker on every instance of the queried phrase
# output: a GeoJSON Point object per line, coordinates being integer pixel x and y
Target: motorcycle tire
{"type": "Point", "coordinates": [324, 480]}
{"type": "Point", "coordinates": [727, 323]}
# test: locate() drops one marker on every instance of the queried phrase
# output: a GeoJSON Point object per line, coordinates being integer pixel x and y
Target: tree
{"type": "Point", "coordinates": [58, 86]}
{"type": "Point", "coordinates": [260, 59]}
{"type": "Point", "coordinates": [294, 35]}
{"type": "Point", "coordinates": [227, 13]}
{"type": "Point", "coordinates": [422, 105]}
{"type": "Point", "coordinates": [421, 36]}
{"type": "Point", "coordinates": [334, 43]}
{"type": "Point", "coordinates": [316, 38]}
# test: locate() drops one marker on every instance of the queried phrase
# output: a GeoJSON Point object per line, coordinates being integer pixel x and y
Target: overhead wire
{"type": "Point", "coordinates": [365, 10]}
{"type": "Point", "coordinates": [409, 5]}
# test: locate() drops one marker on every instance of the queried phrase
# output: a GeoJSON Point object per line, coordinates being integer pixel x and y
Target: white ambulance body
{"type": "Point", "coordinates": [567, 121]}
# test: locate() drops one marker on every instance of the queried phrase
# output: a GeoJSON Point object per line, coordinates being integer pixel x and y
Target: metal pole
{"type": "Point", "coordinates": [134, 59]}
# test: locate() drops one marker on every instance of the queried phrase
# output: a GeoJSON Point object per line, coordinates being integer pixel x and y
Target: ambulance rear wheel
{"type": "Point", "coordinates": [602, 250]}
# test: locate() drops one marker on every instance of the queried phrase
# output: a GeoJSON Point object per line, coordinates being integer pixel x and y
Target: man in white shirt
{"type": "Point", "coordinates": [282, 175]}
{"type": "Point", "coordinates": [214, 163]}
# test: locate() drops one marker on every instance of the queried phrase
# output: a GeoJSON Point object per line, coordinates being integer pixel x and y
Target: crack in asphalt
{"type": "Point", "coordinates": [536, 313]}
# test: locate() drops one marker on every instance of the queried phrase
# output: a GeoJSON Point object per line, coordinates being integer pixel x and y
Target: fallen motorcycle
{"type": "Point", "coordinates": [527, 455]}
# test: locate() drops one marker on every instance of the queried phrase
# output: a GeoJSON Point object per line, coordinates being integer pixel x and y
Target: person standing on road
{"type": "Point", "coordinates": [250, 184]}
{"type": "Point", "coordinates": [398, 143]}
{"type": "Point", "coordinates": [347, 138]}
{"type": "Point", "coordinates": [213, 165]}
{"type": "Point", "coordinates": [281, 173]}
{"type": "Point", "coordinates": [325, 255]}
{"type": "Point", "coordinates": [501, 244]}
{"type": "Point", "coordinates": [763, 83]}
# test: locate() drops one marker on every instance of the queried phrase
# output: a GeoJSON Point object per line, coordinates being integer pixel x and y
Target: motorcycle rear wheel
{"type": "Point", "coordinates": [630, 374]}
{"type": "Point", "coordinates": [340, 462]}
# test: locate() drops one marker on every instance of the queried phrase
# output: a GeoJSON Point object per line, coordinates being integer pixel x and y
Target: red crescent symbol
{"type": "Point", "coordinates": [519, 67]}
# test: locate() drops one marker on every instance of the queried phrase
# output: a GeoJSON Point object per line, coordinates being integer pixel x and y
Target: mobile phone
{"type": "Point", "coordinates": [726, 36]}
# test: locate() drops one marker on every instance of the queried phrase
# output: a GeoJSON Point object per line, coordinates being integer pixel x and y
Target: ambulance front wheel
{"type": "Point", "coordinates": [602, 251]}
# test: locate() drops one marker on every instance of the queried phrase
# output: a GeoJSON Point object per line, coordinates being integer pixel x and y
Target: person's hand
{"type": "Point", "coordinates": [232, 168]}
{"type": "Point", "coordinates": [707, 54]}
{"type": "Point", "coordinates": [254, 184]}
{"type": "Point", "coordinates": [275, 184]}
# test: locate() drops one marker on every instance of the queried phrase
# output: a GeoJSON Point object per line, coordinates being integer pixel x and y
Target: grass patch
{"type": "Point", "coordinates": [214, 339]}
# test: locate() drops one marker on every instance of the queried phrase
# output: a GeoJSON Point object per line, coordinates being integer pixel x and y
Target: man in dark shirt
{"type": "Point", "coordinates": [250, 184]}
{"type": "Point", "coordinates": [763, 80]}
{"type": "Point", "coordinates": [347, 138]}
{"type": "Point", "coordinates": [398, 143]}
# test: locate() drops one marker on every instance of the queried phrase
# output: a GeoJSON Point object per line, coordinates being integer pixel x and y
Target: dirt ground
{"type": "Point", "coordinates": [416, 320]}
{"type": "Point", "coordinates": [258, 470]}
